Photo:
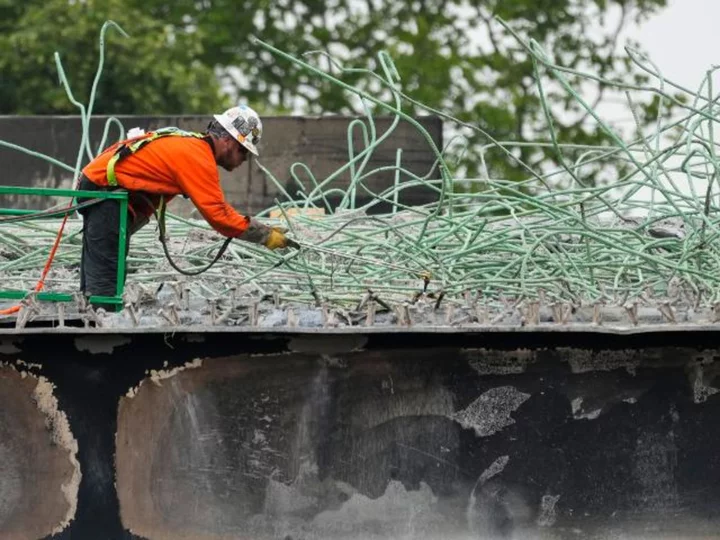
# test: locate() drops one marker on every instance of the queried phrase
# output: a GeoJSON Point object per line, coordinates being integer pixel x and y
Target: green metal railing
{"type": "Point", "coordinates": [120, 196]}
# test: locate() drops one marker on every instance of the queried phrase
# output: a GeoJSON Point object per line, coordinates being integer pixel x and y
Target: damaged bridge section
{"type": "Point", "coordinates": [387, 434]}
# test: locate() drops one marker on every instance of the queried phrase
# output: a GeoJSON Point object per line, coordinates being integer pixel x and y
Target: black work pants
{"type": "Point", "coordinates": [99, 260]}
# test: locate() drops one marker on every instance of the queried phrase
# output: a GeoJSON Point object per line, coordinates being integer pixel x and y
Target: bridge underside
{"type": "Point", "coordinates": [383, 435]}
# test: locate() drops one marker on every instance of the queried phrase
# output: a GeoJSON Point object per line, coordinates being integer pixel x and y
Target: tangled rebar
{"type": "Point", "coordinates": [486, 245]}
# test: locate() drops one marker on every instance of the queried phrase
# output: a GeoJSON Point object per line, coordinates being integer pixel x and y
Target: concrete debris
{"type": "Point", "coordinates": [59, 426]}
{"type": "Point", "coordinates": [159, 298]}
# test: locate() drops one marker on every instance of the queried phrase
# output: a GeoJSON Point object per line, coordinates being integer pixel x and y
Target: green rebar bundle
{"type": "Point", "coordinates": [649, 236]}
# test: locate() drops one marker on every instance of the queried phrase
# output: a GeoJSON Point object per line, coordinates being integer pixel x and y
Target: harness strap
{"type": "Point", "coordinates": [131, 147]}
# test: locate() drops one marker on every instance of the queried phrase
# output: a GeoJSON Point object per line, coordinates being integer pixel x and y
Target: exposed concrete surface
{"type": "Point", "coordinates": [146, 481]}
{"type": "Point", "coordinates": [39, 472]}
{"type": "Point", "coordinates": [488, 361]}
{"type": "Point", "coordinates": [379, 446]}
{"type": "Point", "coordinates": [210, 485]}
{"type": "Point", "coordinates": [548, 515]}
{"type": "Point", "coordinates": [490, 413]}
{"type": "Point", "coordinates": [123, 326]}
{"type": "Point", "coordinates": [398, 513]}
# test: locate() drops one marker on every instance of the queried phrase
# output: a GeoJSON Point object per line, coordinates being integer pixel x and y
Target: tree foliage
{"type": "Point", "coordinates": [450, 54]}
{"type": "Point", "coordinates": [158, 70]}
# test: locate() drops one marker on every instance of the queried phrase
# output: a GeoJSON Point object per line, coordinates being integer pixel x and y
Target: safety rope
{"type": "Point", "coordinates": [46, 269]}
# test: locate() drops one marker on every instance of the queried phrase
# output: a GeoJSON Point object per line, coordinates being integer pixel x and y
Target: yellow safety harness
{"type": "Point", "coordinates": [131, 147]}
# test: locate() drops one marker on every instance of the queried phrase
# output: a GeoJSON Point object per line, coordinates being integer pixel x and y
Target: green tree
{"type": "Point", "coordinates": [451, 55]}
{"type": "Point", "coordinates": [157, 71]}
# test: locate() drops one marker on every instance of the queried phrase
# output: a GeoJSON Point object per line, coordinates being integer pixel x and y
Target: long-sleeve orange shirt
{"type": "Point", "coordinates": [172, 166]}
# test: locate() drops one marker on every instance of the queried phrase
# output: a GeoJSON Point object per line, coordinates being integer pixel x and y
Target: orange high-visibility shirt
{"type": "Point", "coordinates": [172, 166]}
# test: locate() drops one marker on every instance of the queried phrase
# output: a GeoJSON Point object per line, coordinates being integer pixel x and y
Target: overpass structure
{"type": "Point", "coordinates": [445, 357]}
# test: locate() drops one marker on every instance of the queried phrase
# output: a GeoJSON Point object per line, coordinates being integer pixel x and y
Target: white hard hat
{"type": "Point", "coordinates": [244, 125]}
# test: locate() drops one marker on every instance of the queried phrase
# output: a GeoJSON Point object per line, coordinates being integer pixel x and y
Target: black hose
{"type": "Point", "coordinates": [161, 227]}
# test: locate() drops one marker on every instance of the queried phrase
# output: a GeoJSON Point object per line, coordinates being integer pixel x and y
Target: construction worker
{"type": "Point", "coordinates": [160, 165]}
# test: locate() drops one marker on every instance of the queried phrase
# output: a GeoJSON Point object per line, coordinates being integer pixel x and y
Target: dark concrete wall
{"type": "Point", "coordinates": [238, 435]}
{"type": "Point", "coordinates": [38, 471]}
{"type": "Point", "coordinates": [319, 142]}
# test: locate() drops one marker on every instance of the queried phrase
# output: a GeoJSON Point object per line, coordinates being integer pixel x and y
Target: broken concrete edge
{"type": "Point", "coordinates": [156, 376]}
{"type": "Point", "coordinates": [24, 369]}
{"type": "Point", "coordinates": [58, 425]}
{"type": "Point", "coordinates": [359, 330]}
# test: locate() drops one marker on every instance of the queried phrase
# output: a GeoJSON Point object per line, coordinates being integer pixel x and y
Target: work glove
{"type": "Point", "coordinates": [270, 237]}
{"type": "Point", "coordinates": [276, 239]}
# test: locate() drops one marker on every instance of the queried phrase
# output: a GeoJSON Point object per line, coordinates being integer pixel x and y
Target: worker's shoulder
{"type": "Point", "coordinates": [183, 141]}
{"type": "Point", "coordinates": [190, 147]}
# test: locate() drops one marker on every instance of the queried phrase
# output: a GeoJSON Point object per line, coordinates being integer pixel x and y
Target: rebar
{"type": "Point", "coordinates": [553, 241]}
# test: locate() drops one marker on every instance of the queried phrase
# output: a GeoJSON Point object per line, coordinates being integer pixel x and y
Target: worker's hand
{"type": "Point", "coordinates": [270, 237]}
{"type": "Point", "coordinates": [276, 239]}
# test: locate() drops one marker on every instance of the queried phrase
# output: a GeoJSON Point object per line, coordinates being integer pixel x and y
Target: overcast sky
{"type": "Point", "coordinates": [682, 40]}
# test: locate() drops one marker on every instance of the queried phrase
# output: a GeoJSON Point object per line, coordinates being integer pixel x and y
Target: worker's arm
{"type": "Point", "coordinates": [198, 178]}
{"type": "Point", "coordinates": [270, 237]}
{"type": "Point", "coordinates": [196, 174]}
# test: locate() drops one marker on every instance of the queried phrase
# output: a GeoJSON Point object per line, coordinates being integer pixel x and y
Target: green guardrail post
{"type": "Point", "coordinates": [120, 196]}
{"type": "Point", "coordinates": [122, 242]}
